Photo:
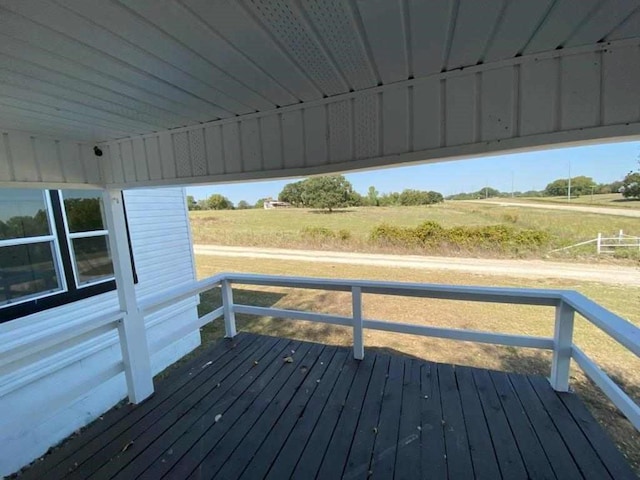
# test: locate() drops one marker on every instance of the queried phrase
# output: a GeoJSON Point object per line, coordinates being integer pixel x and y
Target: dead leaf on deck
{"type": "Point", "coordinates": [287, 359]}
{"type": "Point", "coordinates": [127, 446]}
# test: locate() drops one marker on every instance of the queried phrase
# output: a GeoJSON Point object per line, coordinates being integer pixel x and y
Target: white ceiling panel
{"type": "Point", "coordinates": [90, 34]}
{"type": "Point", "coordinates": [236, 24]}
{"type": "Point", "coordinates": [58, 44]}
{"type": "Point", "coordinates": [115, 68]}
{"type": "Point", "coordinates": [475, 22]}
{"type": "Point", "coordinates": [186, 27]}
{"type": "Point", "coordinates": [431, 24]}
{"type": "Point", "coordinates": [610, 14]}
{"type": "Point", "coordinates": [336, 25]}
{"type": "Point", "coordinates": [565, 17]}
{"type": "Point", "coordinates": [520, 20]}
{"type": "Point", "coordinates": [284, 21]}
{"type": "Point", "coordinates": [629, 28]}
{"type": "Point", "coordinates": [386, 27]}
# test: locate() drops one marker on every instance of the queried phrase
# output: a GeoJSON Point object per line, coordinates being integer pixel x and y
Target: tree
{"type": "Point", "coordinates": [580, 185]}
{"type": "Point", "coordinates": [219, 202]}
{"type": "Point", "coordinates": [372, 197]}
{"type": "Point", "coordinates": [191, 203]}
{"type": "Point", "coordinates": [327, 192]}
{"type": "Point", "coordinates": [419, 197]}
{"type": "Point", "coordinates": [260, 202]}
{"type": "Point", "coordinates": [631, 185]}
{"type": "Point", "coordinates": [292, 193]}
{"type": "Point", "coordinates": [557, 188]}
{"type": "Point", "coordinates": [243, 205]}
{"type": "Point", "coordinates": [389, 199]}
{"type": "Point", "coordinates": [434, 197]}
{"type": "Point", "coordinates": [488, 192]}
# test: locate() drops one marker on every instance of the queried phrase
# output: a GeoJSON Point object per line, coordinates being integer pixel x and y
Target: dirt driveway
{"type": "Point", "coordinates": [516, 268]}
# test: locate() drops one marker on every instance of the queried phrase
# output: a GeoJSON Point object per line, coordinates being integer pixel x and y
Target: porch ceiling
{"type": "Point", "coordinates": [101, 70]}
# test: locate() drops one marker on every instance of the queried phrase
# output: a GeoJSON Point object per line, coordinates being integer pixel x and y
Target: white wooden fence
{"type": "Point", "coordinates": [566, 304]}
{"type": "Point", "coordinates": [611, 244]}
{"type": "Point", "coordinates": [607, 244]}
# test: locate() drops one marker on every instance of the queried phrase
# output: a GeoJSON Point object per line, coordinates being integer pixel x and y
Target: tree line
{"type": "Point", "coordinates": [329, 192]}
{"type": "Point", "coordinates": [326, 192]}
{"type": "Point", "coordinates": [629, 187]}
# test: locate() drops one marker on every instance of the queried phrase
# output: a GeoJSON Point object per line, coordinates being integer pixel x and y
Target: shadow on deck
{"type": "Point", "coordinates": [264, 407]}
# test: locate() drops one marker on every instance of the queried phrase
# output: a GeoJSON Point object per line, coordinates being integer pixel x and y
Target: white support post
{"type": "Point", "coordinates": [358, 341]}
{"type": "Point", "coordinates": [599, 243]}
{"type": "Point", "coordinates": [132, 331]}
{"type": "Point", "coordinates": [562, 341]}
{"type": "Point", "coordinates": [229, 314]}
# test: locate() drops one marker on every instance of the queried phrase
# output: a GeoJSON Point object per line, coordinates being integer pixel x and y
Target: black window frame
{"type": "Point", "coordinates": [73, 292]}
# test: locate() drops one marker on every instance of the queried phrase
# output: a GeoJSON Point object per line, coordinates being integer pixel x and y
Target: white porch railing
{"type": "Point", "coordinates": [566, 304]}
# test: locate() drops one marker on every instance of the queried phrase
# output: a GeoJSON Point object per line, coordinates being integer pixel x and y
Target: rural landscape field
{"type": "Point", "coordinates": [352, 230]}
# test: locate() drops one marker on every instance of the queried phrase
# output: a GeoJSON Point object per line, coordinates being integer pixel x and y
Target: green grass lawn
{"type": "Point", "coordinates": [283, 227]}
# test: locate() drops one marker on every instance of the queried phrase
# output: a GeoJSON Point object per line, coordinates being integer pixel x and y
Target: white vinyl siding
{"type": "Point", "coordinates": [53, 393]}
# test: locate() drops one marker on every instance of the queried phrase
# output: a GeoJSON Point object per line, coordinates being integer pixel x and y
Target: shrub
{"type": "Point", "coordinates": [432, 234]}
{"type": "Point", "coordinates": [343, 234]}
{"type": "Point", "coordinates": [323, 233]}
{"type": "Point", "coordinates": [510, 217]}
{"type": "Point", "coordinates": [317, 233]}
{"type": "Point", "coordinates": [392, 235]}
{"type": "Point", "coordinates": [428, 232]}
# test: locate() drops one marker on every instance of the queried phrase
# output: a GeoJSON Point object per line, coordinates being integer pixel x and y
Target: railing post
{"type": "Point", "coordinates": [599, 244]}
{"type": "Point", "coordinates": [131, 329]}
{"type": "Point", "coordinates": [562, 342]}
{"type": "Point", "coordinates": [229, 314]}
{"type": "Point", "coordinates": [358, 341]}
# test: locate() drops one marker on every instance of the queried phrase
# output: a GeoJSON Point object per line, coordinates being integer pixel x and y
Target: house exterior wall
{"type": "Point", "coordinates": [561, 97]}
{"type": "Point", "coordinates": [47, 396]}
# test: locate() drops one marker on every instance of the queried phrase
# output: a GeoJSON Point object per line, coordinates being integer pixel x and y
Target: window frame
{"type": "Point", "coordinates": [64, 262]}
{"type": "Point", "coordinates": [56, 256]}
{"type": "Point", "coordinates": [70, 236]}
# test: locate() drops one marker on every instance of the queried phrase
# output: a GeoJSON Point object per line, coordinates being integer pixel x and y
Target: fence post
{"type": "Point", "coordinates": [599, 247]}
{"type": "Point", "coordinates": [358, 342]}
{"type": "Point", "coordinates": [229, 314]}
{"type": "Point", "coordinates": [562, 342]}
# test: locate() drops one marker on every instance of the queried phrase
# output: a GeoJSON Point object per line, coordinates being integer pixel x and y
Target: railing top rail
{"type": "Point", "coordinates": [160, 300]}
{"type": "Point", "coordinates": [527, 296]}
{"type": "Point", "coordinates": [617, 327]}
{"type": "Point", "coordinates": [20, 347]}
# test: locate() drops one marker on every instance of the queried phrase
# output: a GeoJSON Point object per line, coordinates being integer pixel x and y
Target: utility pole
{"type": "Point", "coordinates": [511, 183]}
{"type": "Point", "coordinates": [569, 189]}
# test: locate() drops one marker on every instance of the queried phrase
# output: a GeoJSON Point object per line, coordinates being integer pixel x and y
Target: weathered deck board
{"type": "Point", "coordinates": [326, 415]}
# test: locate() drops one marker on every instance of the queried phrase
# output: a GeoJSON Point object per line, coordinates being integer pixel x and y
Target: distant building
{"type": "Point", "coordinates": [268, 204]}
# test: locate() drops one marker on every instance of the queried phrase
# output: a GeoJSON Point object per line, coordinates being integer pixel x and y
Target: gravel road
{"type": "Point", "coordinates": [611, 274]}
{"type": "Point", "coordinates": [620, 212]}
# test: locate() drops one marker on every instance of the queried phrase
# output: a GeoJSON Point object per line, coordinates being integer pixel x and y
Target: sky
{"type": "Point", "coordinates": [527, 171]}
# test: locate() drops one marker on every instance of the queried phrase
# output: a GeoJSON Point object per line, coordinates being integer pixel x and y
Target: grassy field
{"type": "Point", "coordinates": [623, 366]}
{"type": "Point", "coordinates": [609, 200]}
{"type": "Point", "coordinates": [284, 228]}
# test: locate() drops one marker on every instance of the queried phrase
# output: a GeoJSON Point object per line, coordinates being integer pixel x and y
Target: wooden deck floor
{"type": "Point", "coordinates": [242, 410]}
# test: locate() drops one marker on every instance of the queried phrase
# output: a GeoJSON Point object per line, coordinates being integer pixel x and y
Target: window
{"type": "Point", "coordinates": [54, 249]}
{"type": "Point", "coordinates": [85, 229]}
